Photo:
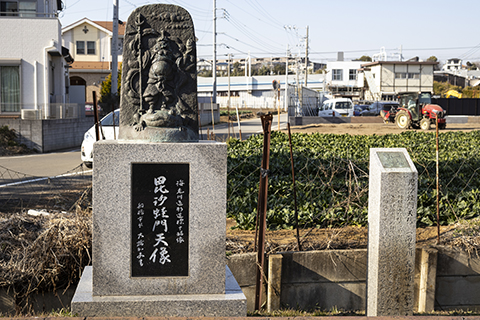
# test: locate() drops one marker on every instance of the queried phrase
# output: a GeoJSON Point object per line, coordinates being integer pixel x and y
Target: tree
{"type": "Point", "coordinates": [205, 73]}
{"type": "Point", "coordinates": [365, 58]}
{"type": "Point", "coordinates": [440, 88]}
{"type": "Point", "coordinates": [471, 66]}
{"type": "Point", "coordinates": [107, 100]}
{"type": "Point", "coordinates": [279, 68]}
{"type": "Point", "coordinates": [237, 71]}
{"type": "Point", "coordinates": [434, 59]}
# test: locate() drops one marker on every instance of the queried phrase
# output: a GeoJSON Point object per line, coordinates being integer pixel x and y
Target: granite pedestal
{"type": "Point", "coordinates": [392, 216]}
{"type": "Point", "coordinates": [113, 287]}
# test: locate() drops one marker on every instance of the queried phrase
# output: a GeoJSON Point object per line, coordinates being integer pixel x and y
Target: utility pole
{"type": "Point", "coordinates": [306, 58]}
{"type": "Point", "coordinates": [285, 96]}
{"type": "Point", "coordinates": [228, 101]}
{"type": "Point", "coordinates": [214, 64]}
{"type": "Point", "coordinates": [228, 73]}
{"type": "Point", "coordinates": [114, 48]}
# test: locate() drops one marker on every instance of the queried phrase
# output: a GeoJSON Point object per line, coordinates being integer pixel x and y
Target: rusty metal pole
{"type": "Point", "coordinates": [262, 208]}
{"type": "Point", "coordinates": [294, 188]}
{"type": "Point", "coordinates": [278, 105]}
{"type": "Point", "coordinates": [438, 182]}
{"type": "Point", "coordinates": [95, 115]}
{"type": "Point", "coordinates": [213, 117]}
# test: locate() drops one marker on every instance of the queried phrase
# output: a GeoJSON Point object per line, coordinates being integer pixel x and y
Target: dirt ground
{"type": "Point", "coordinates": [239, 241]}
{"type": "Point", "coordinates": [374, 128]}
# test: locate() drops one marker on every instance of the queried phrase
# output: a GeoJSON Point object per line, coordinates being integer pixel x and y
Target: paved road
{"type": "Point", "coordinates": [38, 165]}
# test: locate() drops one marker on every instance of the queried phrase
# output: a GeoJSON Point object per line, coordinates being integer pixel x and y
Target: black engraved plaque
{"type": "Point", "coordinates": [160, 204]}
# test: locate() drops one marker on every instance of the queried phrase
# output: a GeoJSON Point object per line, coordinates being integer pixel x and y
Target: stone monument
{"type": "Point", "coordinates": [159, 194]}
{"type": "Point", "coordinates": [159, 82]}
{"type": "Point", "coordinates": [392, 217]}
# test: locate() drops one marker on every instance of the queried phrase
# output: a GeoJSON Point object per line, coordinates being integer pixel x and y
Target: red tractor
{"type": "Point", "coordinates": [416, 111]}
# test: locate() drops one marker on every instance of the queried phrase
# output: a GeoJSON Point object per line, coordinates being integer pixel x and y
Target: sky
{"type": "Point", "coordinates": [264, 28]}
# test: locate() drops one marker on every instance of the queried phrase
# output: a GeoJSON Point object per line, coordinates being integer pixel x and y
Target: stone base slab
{"type": "Point", "coordinates": [231, 304]}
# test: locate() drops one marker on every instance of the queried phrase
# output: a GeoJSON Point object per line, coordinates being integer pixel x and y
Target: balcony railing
{"type": "Point", "coordinates": [53, 111]}
{"type": "Point", "coordinates": [27, 14]}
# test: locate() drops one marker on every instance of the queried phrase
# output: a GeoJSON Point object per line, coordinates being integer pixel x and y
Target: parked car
{"type": "Point", "coordinates": [375, 108]}
{"type": "Point", "coordinates": [107, 132]}
{"type": "Point", "coordinates": [340, 107]}
{"type": "Point", "coordinates": [358, 108]}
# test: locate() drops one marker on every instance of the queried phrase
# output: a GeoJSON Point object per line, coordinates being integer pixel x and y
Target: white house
{"type": "Point", "coordinates": [33, 64]}
{"type": "Point", "coordinates": [452, 64]}
{"type": "Point", "coordinates": [343, 79]}
{"type": "Point", "coordinates": [90, 44]}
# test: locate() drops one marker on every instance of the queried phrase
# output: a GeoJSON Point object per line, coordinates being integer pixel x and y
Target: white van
{"type": "Point", "coordinates": [341, 107]}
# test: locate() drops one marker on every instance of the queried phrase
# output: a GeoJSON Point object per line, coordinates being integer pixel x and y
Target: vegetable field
{"type": "Point", "coordinates": [331, 174]}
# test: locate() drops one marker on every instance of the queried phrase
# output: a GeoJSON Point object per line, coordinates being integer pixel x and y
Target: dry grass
{"type": "Point", "coordinates": [466, 236]}
{"type": "Point", "coordinates": [43, 253]}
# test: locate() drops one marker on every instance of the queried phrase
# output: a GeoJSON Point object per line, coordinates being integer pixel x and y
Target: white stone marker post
{"type": "Point", "coordinates": [392, 215]}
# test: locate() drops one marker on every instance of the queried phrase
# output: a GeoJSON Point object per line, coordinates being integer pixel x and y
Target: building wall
{"type": "Point", "coordinates": [79, 35]}
{"type": "Point", "coordinates": [255, 92]}
{"type": "Point", "coordinates": [93, 82]}
{"type": "Point", "coordinates": [387, 82]}
{"type": "Point", "coordinates": [27, 39]}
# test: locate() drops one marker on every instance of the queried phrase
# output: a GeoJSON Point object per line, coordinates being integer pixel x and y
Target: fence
{"type": "Point", "coordinates": [40, 112]}
{"type": "Point", "coordinates": [22, 192]}
{"type": "Point", "coordinates": [332, 178]}
{"type": "Point", "coordinates": [459, 107]}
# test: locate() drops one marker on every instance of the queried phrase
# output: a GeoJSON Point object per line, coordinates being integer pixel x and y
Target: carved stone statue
{"type": "Point", "coordinates": [159, 83]}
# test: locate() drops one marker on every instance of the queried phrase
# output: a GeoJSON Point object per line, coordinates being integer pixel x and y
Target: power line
{"type": "Point", "coordinates": [244, 29]}
{"type": "Point", "coordinates": [250, 13]}
{"type": "Point", "coordinates": [259, 8]}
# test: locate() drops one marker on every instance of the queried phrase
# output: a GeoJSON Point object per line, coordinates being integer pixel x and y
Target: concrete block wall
{"type": "Point", "coordinates": [49, 135]}
{"type": "Point", "coordinates": [64, 133]}
{"type": "Point", "coordinates": [29, 132]}
{"type": "Point", "coordinates": [458, 280]}
{"type": "Point", "coordinates": [444, 279]}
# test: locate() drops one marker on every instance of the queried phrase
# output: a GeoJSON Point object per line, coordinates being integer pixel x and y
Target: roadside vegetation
{"type": "Point", "coordinates": [9, 145]}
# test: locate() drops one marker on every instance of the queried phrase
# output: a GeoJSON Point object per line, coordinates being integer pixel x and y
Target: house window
{"type": "Point", "coordinates": [352, 75]}
{"type": "Point", "coordinates": [400, 75]}
{"type": "Point", "coordinates": [90, 47]}
{"type": "Point", "coordinates": [27, 8]}
{"type": "Point", "coordinates": [8, 8]}
{"type": "Point", "coordinates": [80, 47]}
{"type": "Point", "coordinates": [10, 88]}
{"type": "Point", "coordinates": [337, 74]}
{"type": "Point", "coordinates": [413, 75]}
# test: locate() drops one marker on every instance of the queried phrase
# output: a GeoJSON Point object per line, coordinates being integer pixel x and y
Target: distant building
{"type": "Point", "coordinates": [456, 74]}
{"type": "Point", "coordinates": [343, 79]}
{"type": "Point", "coordinates": [33, 63]}
{"type": "Point", "coordinates": [256, 91]}
{"type": "Point", "coordinates": [255, 63]}
{"type": "Point", "coordinates": [452, 64]}
{"type": "Point", "coordinates": [387, 78]}
{"type": "Point", "coordinates": [90, 44]}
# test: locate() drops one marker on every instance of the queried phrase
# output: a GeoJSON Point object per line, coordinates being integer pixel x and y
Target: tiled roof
{"type": "Point", "coordinates": [91, 65]}
{"type": "Point", "coordinates": [109, 25]}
